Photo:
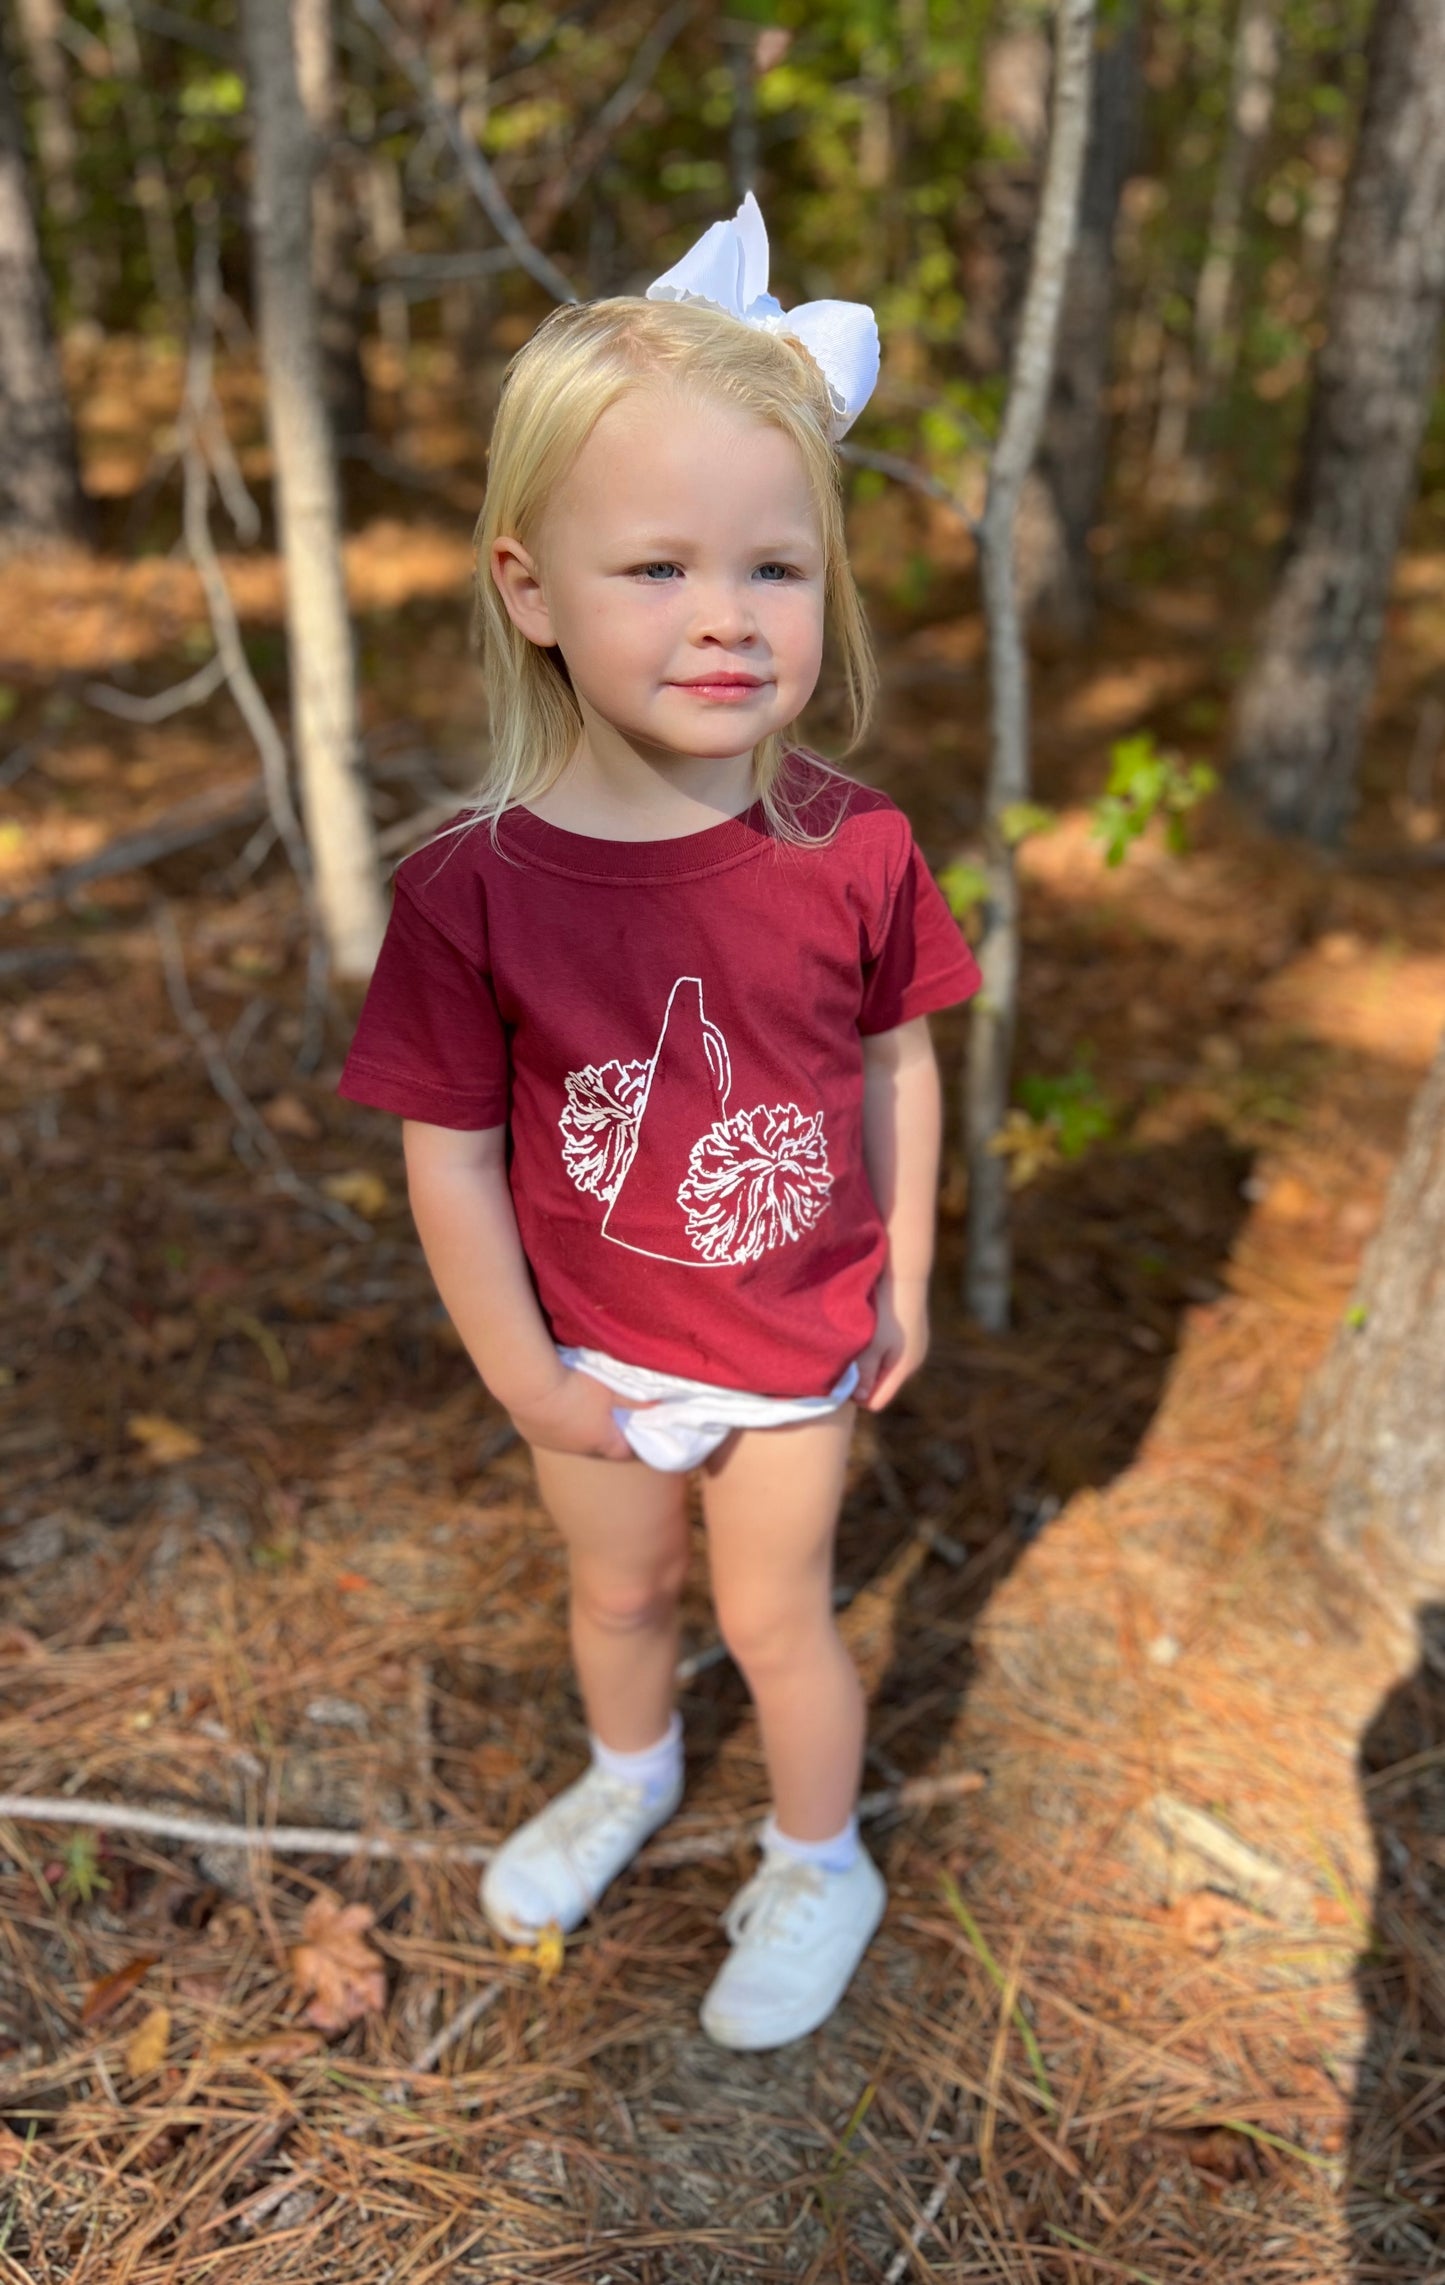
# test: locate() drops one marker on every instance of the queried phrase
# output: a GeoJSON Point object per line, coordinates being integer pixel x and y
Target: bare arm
{"type": "Point", "coordinates": [462, 1207]}
{"type": "Point", "coordinates": [902, 1139]}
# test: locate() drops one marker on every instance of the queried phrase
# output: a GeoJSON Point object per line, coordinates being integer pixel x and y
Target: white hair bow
{"type": "Point", "coordinates": [728, 269]}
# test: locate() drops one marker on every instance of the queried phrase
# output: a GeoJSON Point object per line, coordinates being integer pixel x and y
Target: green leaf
{"type": "Point", "coordinates": [1018, 819]}
{"type": "Point", "coordinates": [965, 888]}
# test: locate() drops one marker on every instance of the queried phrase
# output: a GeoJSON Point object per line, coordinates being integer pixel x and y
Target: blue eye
{"type": "Point", "coordinates": [645, 571]}
{"type": "Point", "coordinates": [784, 570]}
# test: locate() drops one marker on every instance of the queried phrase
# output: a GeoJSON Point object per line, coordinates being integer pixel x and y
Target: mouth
{"type": "Point", "coordinates": [730, 686]}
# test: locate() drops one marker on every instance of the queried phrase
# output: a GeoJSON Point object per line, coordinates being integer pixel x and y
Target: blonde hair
{"type": "Point", "coordinates": [583, 358]}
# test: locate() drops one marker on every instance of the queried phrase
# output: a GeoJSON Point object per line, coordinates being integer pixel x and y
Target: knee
{"type": "Point", "coordinates": [630, 1603]}
{"type": "Point", "coordinates": [767, 1637]}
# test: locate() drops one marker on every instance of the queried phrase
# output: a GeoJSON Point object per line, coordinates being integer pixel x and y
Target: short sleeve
{"type": "Point", "coordinates": [923, 962]}
{"type": "Point", "coordinates": [430, 1043]}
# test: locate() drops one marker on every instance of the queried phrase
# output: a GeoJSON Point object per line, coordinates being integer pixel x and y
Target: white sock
{"type": "Point", "coordinates": [836, 1855]}
{"type": "Point", "coordinates": [656, 1769]}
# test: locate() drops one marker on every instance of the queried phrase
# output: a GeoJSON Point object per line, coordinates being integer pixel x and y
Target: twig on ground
{"type": "Point", "coordinates": [721, 1839]}
{"type": "Point", "coordinates": [127, 707]}
{"type": "Point", "coordinates": [457, 2026]}
{"type": "Point", "coordinates": [191, 822]}
{"type": "Point", "coordinates": [476, 172]}
{"type": "Point", "coordinates": [898, 2266]}
{"type": "Point", "coordinates": [230, 1090]}
{"type": "Point", "coordinates": [324, 1840]}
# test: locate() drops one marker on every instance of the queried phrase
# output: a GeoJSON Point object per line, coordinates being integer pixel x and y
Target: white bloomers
{"type": "Point", "coordinates": [685, 1420]}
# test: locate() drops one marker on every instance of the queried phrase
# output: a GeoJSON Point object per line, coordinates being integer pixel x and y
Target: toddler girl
{"type": "Point", "coordinates": [654, 1013]}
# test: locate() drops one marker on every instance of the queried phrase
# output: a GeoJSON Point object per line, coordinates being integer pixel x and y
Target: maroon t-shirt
{"type": "Point", "coordinates": [672, 1033]}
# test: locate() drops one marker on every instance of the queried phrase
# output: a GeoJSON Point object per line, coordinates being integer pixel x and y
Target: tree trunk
{"type": "Point", "coordinates": [40, 495]}
{"type": "Point", "coordinates": [1375, 1419]}
{"type": "Point", "coordinates": [1073, 455]}
{"type": "Point", "coordinates": [318, 631]}
{"type": "Point", "coordinates": [989, 1270]}
{"type": "Point", "coordinates": [1302, 707]}
{"type": "Point", "coordinates": [335, 226]}
{"type": "Point", "coordinates": [57, 148]}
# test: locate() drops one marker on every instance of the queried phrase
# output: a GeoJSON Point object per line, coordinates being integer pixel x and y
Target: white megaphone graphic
{"type": "Point", "coordinates": [688, 1083]}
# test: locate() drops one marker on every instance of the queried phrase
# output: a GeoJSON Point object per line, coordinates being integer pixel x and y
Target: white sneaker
{"type": "Point", "coordinates": [556, 1866]}
{"type": "Point", "coordinates": [798, 1934]}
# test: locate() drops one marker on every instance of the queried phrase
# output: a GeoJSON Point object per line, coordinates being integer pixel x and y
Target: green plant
{"type": "Point", "coordinates": [1072, 1105]}
{"type": "Point", "coordinates": [1146, 782]}
{"type": "Point", "coordinates": [82, 1878]}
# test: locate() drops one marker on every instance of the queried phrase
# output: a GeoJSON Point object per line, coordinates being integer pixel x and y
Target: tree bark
{"type": "Point", "coordinates": [40, 497]}
{"type": "Point", "coordinates": [1073, 455]}
{"type": "Point", "coordinates": [1301, 711]}
{"type": "Point", "coordinates": [1375, 1419]}
{"type": "Point", "coordinates": [318, 631]}
{"type": "Point", "coordinates": [335, 226]}
{"type": "Point", "coordinates": [57, 148]}
{"type": "Point", "coordinates": [989, 1268]}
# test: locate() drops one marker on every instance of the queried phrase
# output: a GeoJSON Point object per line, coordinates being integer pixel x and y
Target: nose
{"type": "Point", "coordinates": [725, 613]}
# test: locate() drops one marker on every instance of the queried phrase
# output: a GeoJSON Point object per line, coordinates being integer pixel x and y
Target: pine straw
{"type": "Point", "coordinates": [1085, 2060]}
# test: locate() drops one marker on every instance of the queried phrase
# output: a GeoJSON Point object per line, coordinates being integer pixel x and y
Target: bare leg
{"type": "Point", "coordinates": [625, 1525]}
{"type": "Point", "coordinates": [771, 1499]}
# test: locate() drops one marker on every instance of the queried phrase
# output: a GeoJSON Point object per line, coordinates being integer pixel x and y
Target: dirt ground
{"type": "Point", "coordinates": [1157, 1784]}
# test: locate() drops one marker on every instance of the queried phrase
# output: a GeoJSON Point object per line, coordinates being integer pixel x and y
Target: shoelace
{"type": "Point", "coordinates": [773, 1898]}
{"type": "Point", "coordinates": [585, 1825]}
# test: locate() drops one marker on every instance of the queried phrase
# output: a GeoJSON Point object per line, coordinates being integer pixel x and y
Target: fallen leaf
{"type": "Point", "coordinates": [336, 1970]}
{"type": "Point", "coordinates": [1203, 1919]}
{"type": "Point", "coordinates": [147, 2049]}
{"type": "Point", "coordinates": [165, 1440]}
{"type": "Point", "coordinates": [12, 2151]}
{"type": "Point", "coordinates": [360, 1189]}
{"type": "Point", "coordinates": [288, 1115]}
{"type": "Point", "coordinates": [106, 1994]}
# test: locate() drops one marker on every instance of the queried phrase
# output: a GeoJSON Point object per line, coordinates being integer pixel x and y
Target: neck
{"type": "Point", "coordinates": [615, 792]}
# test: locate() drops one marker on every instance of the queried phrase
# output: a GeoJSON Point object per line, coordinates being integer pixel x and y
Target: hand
{"type": "Point", "coordinates": [900, 1340]}
{"type": "Point", "coordinates": [574, 1415]}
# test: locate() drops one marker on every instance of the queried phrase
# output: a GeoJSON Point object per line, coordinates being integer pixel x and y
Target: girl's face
{"type": "Point", "coordinates": [679, 572]}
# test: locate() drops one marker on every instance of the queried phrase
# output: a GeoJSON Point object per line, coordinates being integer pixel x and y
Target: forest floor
{"type": "Point", "coordinates": [1159, 1996]}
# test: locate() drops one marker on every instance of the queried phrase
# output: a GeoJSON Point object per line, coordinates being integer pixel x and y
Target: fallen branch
{"type": "Point", "coordinates": [720, 1840]}
{"type": "Point", "coordinates": [184, 827]}
{"type": "Point", "coordinates": [323, 1840]}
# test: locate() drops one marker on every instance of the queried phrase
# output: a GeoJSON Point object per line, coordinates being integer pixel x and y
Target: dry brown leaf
{"type": "Point", "coordinates": [165, 1440]}
{"type": "Point", "coordinates": [288, 1115]}
{"type": "Point", "coordinates": [336, 1970]}
{"type": "Point", "coordinates": [106, 1994]}
{"type": "Point", "coordinates": [1203, 1919]}
{"type": "Point", "coordinates": [12, 2151]}
{"type": "Point", "coordinates": [147, 2049]}
{"type": "Point", "coordinates": [360, 1189]}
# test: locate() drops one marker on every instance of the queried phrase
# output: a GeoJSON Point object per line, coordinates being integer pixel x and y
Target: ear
{"type": "Point", "coordinates": [518, 581]}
